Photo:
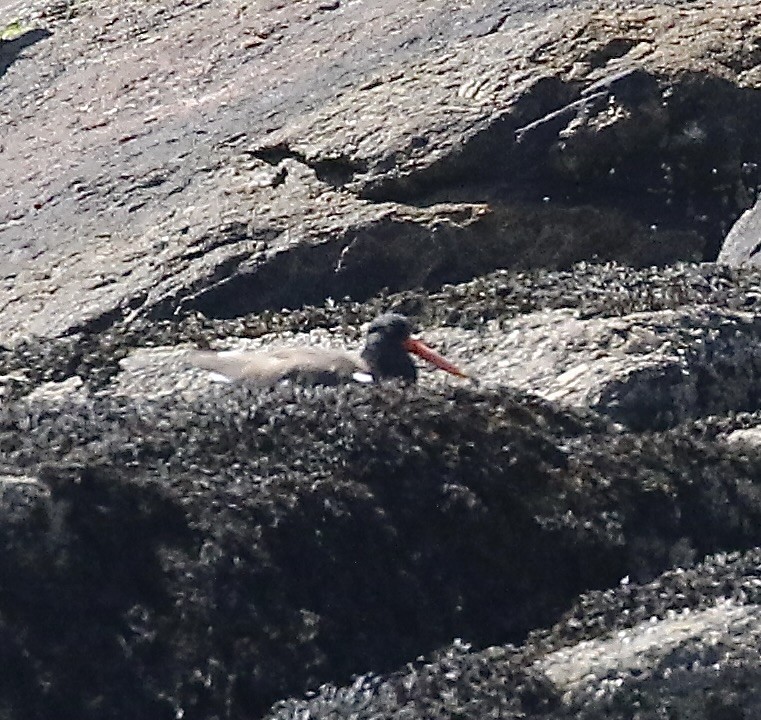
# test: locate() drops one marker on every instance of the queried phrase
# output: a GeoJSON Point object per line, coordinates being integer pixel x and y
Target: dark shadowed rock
{"type": "Point", "coordinates": [10, 48]}
{"type": "Point", "coordinates": [687, 641]}
{"type": "Point", "coordinates": [270, 542]}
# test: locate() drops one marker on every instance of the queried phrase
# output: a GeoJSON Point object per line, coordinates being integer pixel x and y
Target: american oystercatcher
{"type": "Point", "coordinates": [386, 355]}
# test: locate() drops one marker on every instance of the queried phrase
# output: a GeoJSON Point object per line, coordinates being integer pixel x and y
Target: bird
{"type": "Point", "coordinates": [386, 355]}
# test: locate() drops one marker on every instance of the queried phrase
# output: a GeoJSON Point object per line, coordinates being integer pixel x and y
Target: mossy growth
{"type": "Point", "coordinates": [12, 30]}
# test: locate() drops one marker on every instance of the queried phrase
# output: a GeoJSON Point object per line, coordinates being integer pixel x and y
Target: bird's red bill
{"type": "Point", "coordinates": [420, 349]}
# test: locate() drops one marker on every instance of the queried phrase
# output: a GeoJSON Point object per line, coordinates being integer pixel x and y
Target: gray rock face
{"type": "Point", "coordinates": [743, 242]}
{"type": "Point", "coordinates": [532, 185]}
{"type": "Point", "coordinates": [410, 151]}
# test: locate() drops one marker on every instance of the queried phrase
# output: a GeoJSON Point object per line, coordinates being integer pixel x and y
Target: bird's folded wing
{"type": "Point", "coordinates": [307, 365]}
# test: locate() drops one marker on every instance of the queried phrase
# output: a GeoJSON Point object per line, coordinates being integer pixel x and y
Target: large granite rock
{"type": "Point", "coordinates": [180, 174]}
{"type": "Point", "coordinates": [685, 645]}
{"type": "Point", "coordinates": [743, 242]}
{"type": "Point", "coordinates": [250, 157]}
{"type": "Point", "coordinates": [200, 548]}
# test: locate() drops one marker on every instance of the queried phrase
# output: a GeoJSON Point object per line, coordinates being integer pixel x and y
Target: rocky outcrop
{"type": "Point", "coordinates": [238, 150]}
{"type": "Point", "coordinates": [687, 642]}
{"type": "Point", "coordinates": [584, 516]}
{"type": "Point", "coordinates": [742, 243]}
{"type": "Point", "coordinates": [270, 542]}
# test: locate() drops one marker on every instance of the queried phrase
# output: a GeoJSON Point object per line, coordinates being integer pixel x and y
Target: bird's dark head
{"type": "Point", "coordinates": [389, 345]}
{"type": "Point", "coordinates": [385, 352]}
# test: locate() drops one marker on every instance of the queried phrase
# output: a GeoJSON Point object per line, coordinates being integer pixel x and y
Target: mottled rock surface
{"type": "Point", "coordinates": [743, 241]}
{"type": "Point", "coordinates": [238, 160]}
{"type": "Point", "coordinates": [270, 542]}
{"type": "Point", "coordinates": [685, 644]}
{"type": "Point", "coordinates": [532, 184]}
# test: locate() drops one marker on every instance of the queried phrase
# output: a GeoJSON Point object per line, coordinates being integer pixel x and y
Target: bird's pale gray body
{"type": "Point", "coordinates": [305, 365]}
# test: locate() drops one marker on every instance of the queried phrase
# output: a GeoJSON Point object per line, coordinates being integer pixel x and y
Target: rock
{"type": "Point", "coordinates": [741, 245]}
{"type": "Point", "coordinates": [59, 391]}
{"type": "Point", "coordinates": [650, 369]}
{"type": "Point", "coordinates": [696, 650]}
{"type": "Point", "coordinates": [528, 185]}
{"type": "Point", "coordinates": [306, 526]}
{"type": "Point", "coordinates": [23, 500]}
{"type": "Point", "coordinates": [478, 144]}
{"type": "Point", "coordinates": [748, 436]}
{"type": "Point", "coordinates": [646, 349]}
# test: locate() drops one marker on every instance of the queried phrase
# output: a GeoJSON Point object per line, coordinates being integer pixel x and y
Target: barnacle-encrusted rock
{"type": "Point", "coordinates": [686, 643]}
{"type": "Point", "coordinates": [271, 541]}
{"type": "Point", "coordinates": [171, 548]}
